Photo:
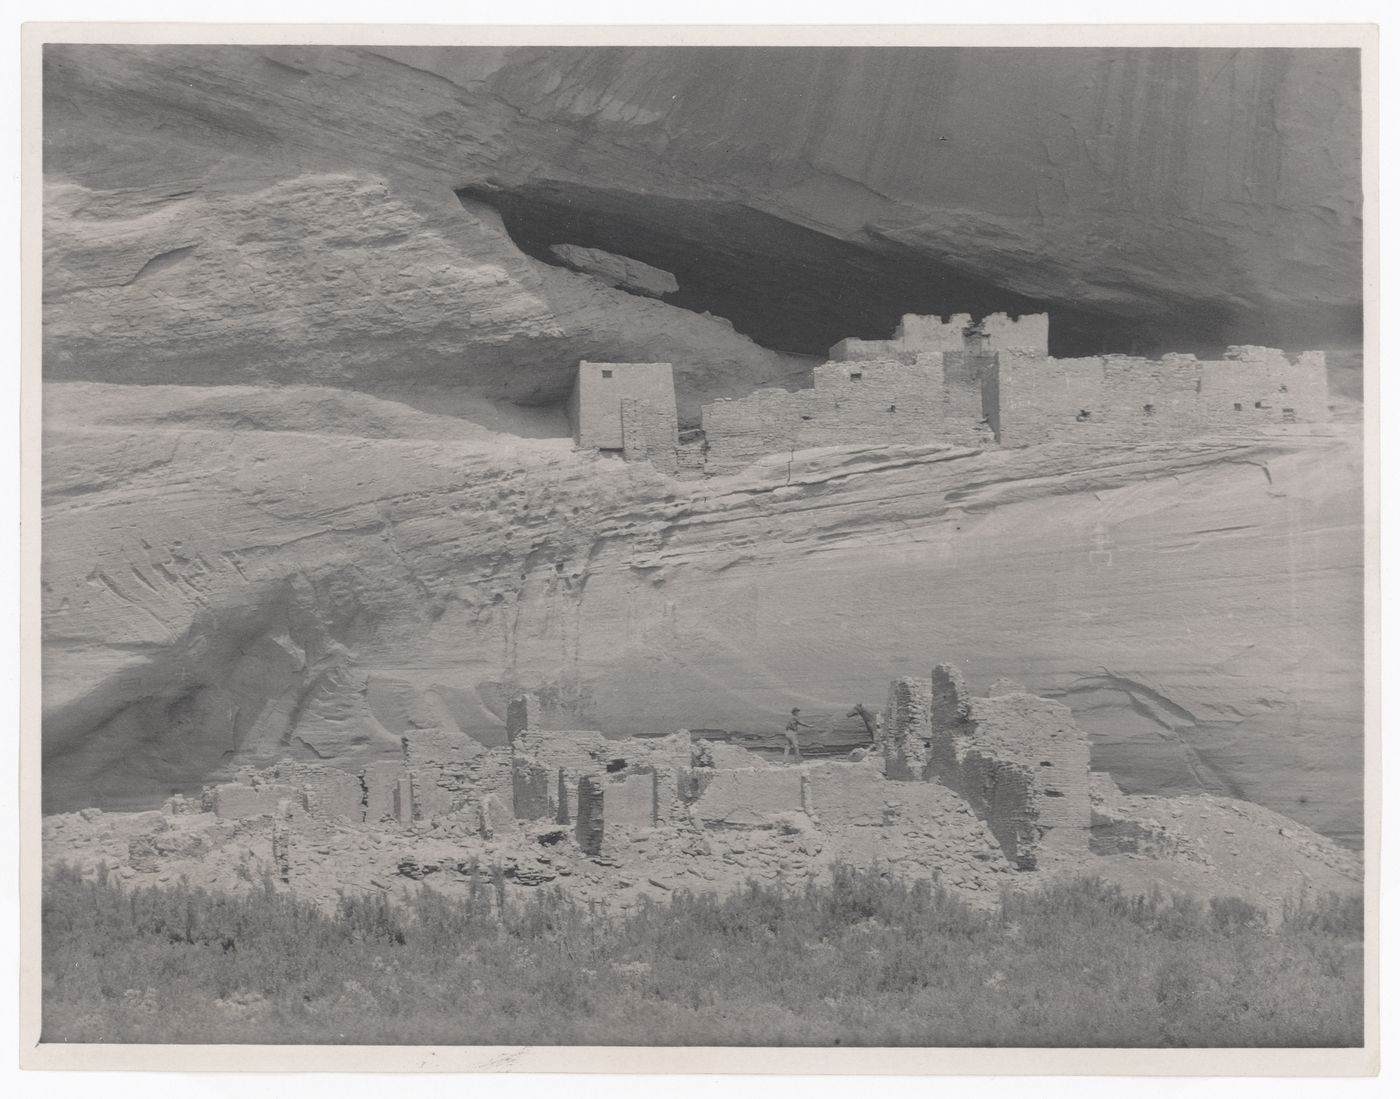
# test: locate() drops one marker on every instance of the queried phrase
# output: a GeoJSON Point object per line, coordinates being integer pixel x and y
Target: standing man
{"type": "Point", "coordinates": [790, 736]}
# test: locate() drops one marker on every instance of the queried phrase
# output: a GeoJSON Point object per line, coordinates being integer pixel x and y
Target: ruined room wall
{"type": "Point", "coordinates": [908, 730]}
{"type": "Point", "coordinates": [649, 434]}
{"type": "Point", "coordinates": [596, 404]}
{"type": "Point", "coordinates": [1151, 398]}
{"type": "Point", "coordinates": [1121, 398]}
{"type": "Point", "coordinates": [767, 421]}
{"type": "Point", "coordinates": [1019, 759]}
{"type": "Point", "coordinates": [1002, 793]}
{"type": "Point", "coordinates": [1044, 399]}
{"type": "Point", "coordinates": [1264, 383]}
{"type": "Point", "coordinates": [1030, 332]}
{"type": "Point", "coordinates": [913, 335]}
{"type": "Point", "coordinates": [748, 797]}
{"type": "Point", "coordinates": [937, 397]}
{"type": "Point", "coordinates": [950, 707]}
{"type": "Point", "coordinates": [1040, 735]}
{"type": "Point", "coordinates": [537, 760]}
{"type": "Point", "coordinates": [629, 800]}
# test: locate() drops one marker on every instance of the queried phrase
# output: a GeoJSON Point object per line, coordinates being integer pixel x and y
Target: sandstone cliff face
{"type": "Point", "coordinates": [338, 506]}
{"type": "Point", "coordinates": [1152, 199]}
{"type": "Point", "coordinates": [275, 580]}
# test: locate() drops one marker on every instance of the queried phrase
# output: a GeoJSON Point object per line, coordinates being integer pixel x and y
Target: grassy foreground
{"type": "Point", "coordinates": [861, 961]}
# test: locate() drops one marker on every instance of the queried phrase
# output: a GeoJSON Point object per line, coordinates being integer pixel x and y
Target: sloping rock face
{"type": "Point", "coordinates": [273, 582]}
{"type": "Point", "coordinates": [1150, 199]}
{"type": "Point", "coordinates": [339, 504]}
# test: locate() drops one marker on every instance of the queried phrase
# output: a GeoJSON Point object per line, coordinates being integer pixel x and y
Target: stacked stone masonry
{"type": "Point", "coordinates": [1019, 760]}
{"type": "Point", "coordinates": [953, 382]}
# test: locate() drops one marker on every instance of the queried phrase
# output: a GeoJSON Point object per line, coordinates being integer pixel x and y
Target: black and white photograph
{"type": "Point", "coordinates": [829, 545]}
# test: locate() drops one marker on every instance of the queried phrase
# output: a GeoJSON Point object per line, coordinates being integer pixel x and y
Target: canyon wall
{"type": "Point", "coordinates": [1150, 199]}
{"type": "Point", "coordinates": [274, 582]}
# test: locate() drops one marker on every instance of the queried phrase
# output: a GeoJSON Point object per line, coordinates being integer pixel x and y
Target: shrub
{"type": "Point", "coordinates": [861, 960]}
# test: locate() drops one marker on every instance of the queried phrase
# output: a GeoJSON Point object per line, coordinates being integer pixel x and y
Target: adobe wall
{"type": "Point", "coordinates": [539, 758]}
{"type": "Point", "coordinates": [650, 434]}
{"type": "Point", "coordinates": [1122, 398]}
{"type": "Point", "coordinates": [767, 421]}
{"type": "Point", "coordinates": [1255, 386]}
{"type": "Point", "coordinates": [958, 333]}
{"type": "Point", "coordinates": [1018, 759]}
{"type": "Point", "coordinates": [872, 402]}
{"type": "Point", "coordinates": [999, 332]}
{"type": "Point", "coordinates": [595, 405]}
{"type": "Point", "coordinates": [907, 730]}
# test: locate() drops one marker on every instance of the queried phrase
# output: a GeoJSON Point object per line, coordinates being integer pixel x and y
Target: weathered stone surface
{"type": "Point", "coordinates": [631, 800]}
{"type": "Point", "coordinates": [619, 271]}
{"type": "Point", "coordinates": [589, 826]}
{"type": "Point", "coordinates": [1044, 564]}
{"type": "Point", "coordinates": [1214, 179]}
{"type": "Point", "coordinates": [749, 797]}
{"type": "Point", "coordinates": [381, 782]}
{"type": "Point", "coordinates": [235, 800]}
{"type": "Point", "coordinates": [230, 569]}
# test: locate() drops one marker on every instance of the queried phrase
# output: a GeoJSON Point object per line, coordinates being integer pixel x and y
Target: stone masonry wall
{"type": "Point", "coordinates": [907, 730]}
{"type": "Point", "coordinates": [1258, 385]}
{"type": "Point", "coordinates": [1119, 398]}
{"type": "Point", "coordinates": [595, 406]}
{"type": "Point", "coordinates": [537, 760]}
{"type": "Point", "coordinates": [916, 334]}
{"type": "Point", "coordinates": [871, 402]}
{"type": "Point", "coordinates": [1019, 760]}
{"type": "Point", "coordinates": [649, 434]}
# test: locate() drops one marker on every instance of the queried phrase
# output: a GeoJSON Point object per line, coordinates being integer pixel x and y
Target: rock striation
{"type": "Point", "coordinates": [233, 574]}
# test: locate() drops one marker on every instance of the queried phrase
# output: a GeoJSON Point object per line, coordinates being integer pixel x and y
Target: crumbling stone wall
{"type": "Point", "coordinates": [630, 800]}
{"type": "Point", "coordinates": [1020, 761]}
{"type": "Point", "coordinates": [537, 759]}
{"type": "Point", "coordinates": [999, 332]}
{"type": "Point", "coordinates": [871, 402]}
{"type": "Point", "coordinates": [746, 797]}
{"type": "Point", "coordinates": [522, 716]}
{"type": "Point", "coordinates": [588, 829]}
{"type": "Point", "coordinates": [908, 730]}
{"type": "Point", "coordinates": [649, 434]}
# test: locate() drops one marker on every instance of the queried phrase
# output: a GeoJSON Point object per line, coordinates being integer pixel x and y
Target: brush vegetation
{"type": "Point", "coordinates": [861, 960]}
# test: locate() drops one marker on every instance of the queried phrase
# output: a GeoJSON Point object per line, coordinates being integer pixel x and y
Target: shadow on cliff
{"type": "Point", "coordinates": [233, 689]}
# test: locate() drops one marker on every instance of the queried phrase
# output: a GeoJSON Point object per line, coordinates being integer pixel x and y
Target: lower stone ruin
{"type": "Point", "coordinates": [976, 792]}
{"type": "Point", "coordinates": [1016, 761]}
